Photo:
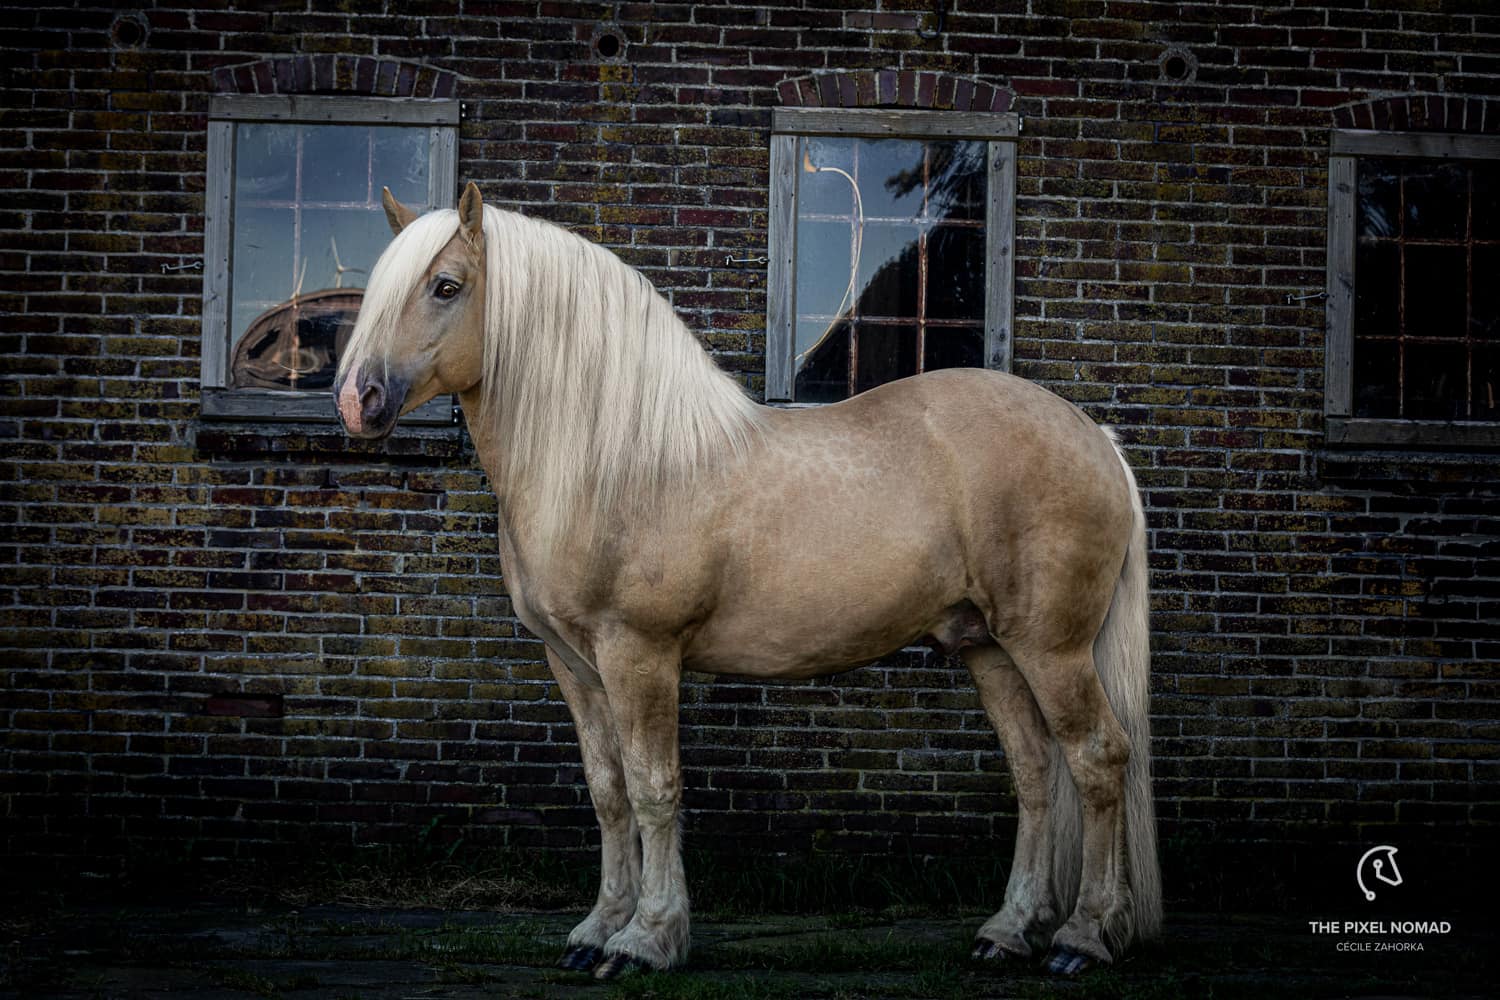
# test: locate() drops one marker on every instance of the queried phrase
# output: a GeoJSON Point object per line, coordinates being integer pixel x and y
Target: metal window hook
{"type": "Point", "coordinates": [940, 16]}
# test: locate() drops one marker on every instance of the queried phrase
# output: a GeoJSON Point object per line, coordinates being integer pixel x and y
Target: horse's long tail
{"type": "Point", "coordinates": [1122, 656]}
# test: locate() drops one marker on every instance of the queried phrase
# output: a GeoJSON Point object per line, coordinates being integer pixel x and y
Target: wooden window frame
{"type": "Point", "coordinates": [217, 400]}
{"type": "Point", "coordinates": [999, 130]}
{"type": "Point", "coordinates": [1341, 427]}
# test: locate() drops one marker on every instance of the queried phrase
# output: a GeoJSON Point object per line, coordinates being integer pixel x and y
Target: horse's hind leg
{"type": "Point", "coordinates": [1029, 904]}
{"type": "Point", "coordinates": [1072, 700]}
{"type": "Point", "coordinates": [619, 842]}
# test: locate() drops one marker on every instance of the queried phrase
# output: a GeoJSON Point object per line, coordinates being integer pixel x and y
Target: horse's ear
{"type": "Point", "coordinates": [471, 216]}
{"type": "Point", "coordinates": [397, 214]}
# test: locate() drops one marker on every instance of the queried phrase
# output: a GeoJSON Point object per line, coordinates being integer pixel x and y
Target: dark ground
{"type": "Point", "coordinates": [232, 949]}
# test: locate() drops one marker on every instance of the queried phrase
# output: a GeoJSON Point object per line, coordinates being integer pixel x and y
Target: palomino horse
{"type": "Point", "coordinates": [654, 519]}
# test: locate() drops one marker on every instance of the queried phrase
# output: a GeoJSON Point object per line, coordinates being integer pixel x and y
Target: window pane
{"type": "Point", "coordinates": [265, 163]}
{"type": "Point", "coordinates": [825, 252]}
{"type": "Point", "coordinates": [402, 163]}
{"type": "Point", "coordinates": [1437, 379]}
{"type": "Point", "coordinates": [885, 354]}
{"type": "Point", "coordinates": [1436, 200]}
{"type": "Point", "coordinates": [824, 375]}
{"type": "Point", "coordinates": [1435, 288]}
{"type": "Point", "coordinates": [960, 179]}
{"type": "Point", "coordinates": [1377, 375]}
{"type": "Point", "coordinates": [953, 347]}
{"type": "Point", "coordinates": [1379, 202]}
{"type": "Point", "coordinates": [358, 235]}
{"type": "Point", "coordinates": [888, 264]}
{"type": "Point", "coordinates": [261, 263]}
{"type": "Point", "coordinates": [891, 177]}
{"type": "Point", "coordinates": [1485, 390]}
{"type": "Point", "coordinates": [955, 273]}
{"type": "Point", "coordinates": [336, 163]}
{"type": "Point", "coordinates": [1377, 289]}
{"type": "Point", "coordinates": [825, 182]}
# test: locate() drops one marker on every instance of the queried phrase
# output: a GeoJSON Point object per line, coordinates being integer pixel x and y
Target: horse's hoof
{"type": "Point", "coordinates": [619, 964]}
{"type": "Point", "coordinates": [1065, 962]}
{"type": "Point", "coordinates": [580, 958]}
{"type": "Point", "coordinates": [992, 951]}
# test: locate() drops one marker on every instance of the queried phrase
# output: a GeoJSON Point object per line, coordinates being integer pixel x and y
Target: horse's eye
{"type": "Point", "coordinates": [446, 289]}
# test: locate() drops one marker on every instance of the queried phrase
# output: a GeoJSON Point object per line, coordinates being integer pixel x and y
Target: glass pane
{"type": "Point", "coordinates": [402, 163]}
{"type": "Point", "coordinates": [265, 163]}
{"type": "Point", "coordinates": [825, 252]}
{"type": "Point", "coordinates": [825, 185]}
{"type": "Point", "coordinates": [885, 354]}
{"type": "Point", "coordinates": [1377, 289]}
{"type": "Point", "coordinates": [1379, 202]}
{"type": "Point", "coordinates": [1437, 379]}
{"type": "Point", "coordinates": [1435, 290]}
{"type": "Point", "coordinates": [1437, 201]}
{"type": "Point", "coordinates": [959, 180]}
{"type": "Point", "coordinates": [950, 347]}
{"type": "Point", "coordinates": [350, 239]}
{"type": "Point", "coordinates": [955, 273]}
{"type": "Point", "coordinates": [336, 164]}
{"type": "Point", "coordinates": [1484, 310]}
{"type": "Point", "coordinates": [1485, 385]}
{"type": "Point", "coordinates": [888, 264]}
{"type": "Point", "coordinates": [260, 262]}
{"type": "Point", "coordinates": [1377, 378]}
{"type": "Point", "coordinates": [891, 177]}
{"type": "Point", "coordinates": [1486, 181]}
{"type": "Point", "coordinates": [824, 376]}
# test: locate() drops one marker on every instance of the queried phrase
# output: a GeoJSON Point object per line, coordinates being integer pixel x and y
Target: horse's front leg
{"type": "Point", "coordinates": [619, 842]}
{"type": "Point", "coordinates": [642, 683]}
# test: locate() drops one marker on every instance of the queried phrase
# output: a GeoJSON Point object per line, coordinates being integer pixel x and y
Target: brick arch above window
{"type": "Point", "coordinates": [893, 89]}
{"type": "Point", "coordinates": [1422, 113]}
{"type": "Point", "coordinates": [336, 74]}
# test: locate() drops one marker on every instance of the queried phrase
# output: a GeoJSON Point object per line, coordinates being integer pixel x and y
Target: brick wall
{"type": "Point", "coordinates": [244, 637]}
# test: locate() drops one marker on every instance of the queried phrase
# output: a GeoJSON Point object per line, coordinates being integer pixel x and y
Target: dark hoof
{"type": "Point", "coordinates": [580, 958]}
{"type": "Point", "coordinates": [1063, 962]}
{"type": "Point", "coordinates": [617, 965]}
{"type": "Point", "coordinates": [990, 951]}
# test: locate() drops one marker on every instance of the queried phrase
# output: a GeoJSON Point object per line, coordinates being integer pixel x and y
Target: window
{"type": "Point", "coordinates": [1413, 354]}
{"type": "Point", "coordinates": [890, 247]}
{"type": "Point", "coordinates": [293, 225]}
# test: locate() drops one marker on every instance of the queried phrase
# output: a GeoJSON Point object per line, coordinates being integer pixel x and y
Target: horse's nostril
{"type": "Point", "coordinates": [372, 400]}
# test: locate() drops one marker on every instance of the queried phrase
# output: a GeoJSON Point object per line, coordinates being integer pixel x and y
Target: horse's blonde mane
{"type": "Point", "coordinates": [597, 395]}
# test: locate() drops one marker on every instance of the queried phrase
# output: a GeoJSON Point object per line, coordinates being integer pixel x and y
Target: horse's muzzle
{"type": "Point", "coordinates": [369, 405]}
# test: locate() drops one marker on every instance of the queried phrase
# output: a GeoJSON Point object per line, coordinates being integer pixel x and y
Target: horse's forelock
{"type": "Point", "coordinates": [398, 271]}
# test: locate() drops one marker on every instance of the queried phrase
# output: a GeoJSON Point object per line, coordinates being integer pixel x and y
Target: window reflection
{"type": "Point", "coordinates": [890, 261]}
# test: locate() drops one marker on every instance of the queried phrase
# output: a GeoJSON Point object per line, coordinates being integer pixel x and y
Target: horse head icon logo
{"type": "Point", "coordinates": [1384, 868]}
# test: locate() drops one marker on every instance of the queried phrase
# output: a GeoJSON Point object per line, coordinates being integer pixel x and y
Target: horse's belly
{"type": "Point", "coordinates": [822, 623]}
